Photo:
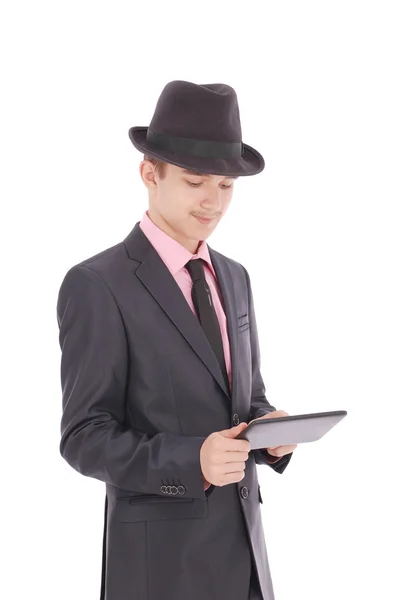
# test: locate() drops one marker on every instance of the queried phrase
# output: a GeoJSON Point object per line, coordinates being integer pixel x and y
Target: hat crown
{"type": "Point", "coordinates": [198, 126]}
{"type": "Point", "coordinates": [206, 112]}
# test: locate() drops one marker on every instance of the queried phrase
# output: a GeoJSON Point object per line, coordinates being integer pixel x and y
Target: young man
{"type": "Point", "coordinates": [160, 371]}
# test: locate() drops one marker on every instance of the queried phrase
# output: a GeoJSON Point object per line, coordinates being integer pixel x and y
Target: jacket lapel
{"type": "Point", "coordinates": [158, 280]}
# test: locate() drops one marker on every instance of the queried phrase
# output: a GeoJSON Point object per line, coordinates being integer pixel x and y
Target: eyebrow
{"type": "Point", "coordinates": [192, 172]}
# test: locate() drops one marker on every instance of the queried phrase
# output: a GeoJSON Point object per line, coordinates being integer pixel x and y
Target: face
{"type": "Point", "coordinates": [178, 202]}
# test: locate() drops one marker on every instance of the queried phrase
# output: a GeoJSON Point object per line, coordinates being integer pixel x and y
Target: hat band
{"type": "Point", "coordinates": [203, 148]}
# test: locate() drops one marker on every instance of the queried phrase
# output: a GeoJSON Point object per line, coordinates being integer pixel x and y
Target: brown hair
{"type": "Point", "coordinates": [160, 165]}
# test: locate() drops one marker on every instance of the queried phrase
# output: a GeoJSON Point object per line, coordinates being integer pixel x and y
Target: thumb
{"type": "Point", "coordinates": [234, 431]}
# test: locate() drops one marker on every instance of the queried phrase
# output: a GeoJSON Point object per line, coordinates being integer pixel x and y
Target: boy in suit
{"type": "Point", "coordinates": [160, 371]}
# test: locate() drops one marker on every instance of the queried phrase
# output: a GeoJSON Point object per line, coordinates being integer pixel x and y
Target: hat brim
{"type": "Point", "coordinates": [250, 163]}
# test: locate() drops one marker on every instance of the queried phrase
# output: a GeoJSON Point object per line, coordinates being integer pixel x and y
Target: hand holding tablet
{"type": "Point", "coordinates": [270, 432]}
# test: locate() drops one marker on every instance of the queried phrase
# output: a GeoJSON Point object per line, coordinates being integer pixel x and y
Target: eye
{"type": "Point", "coordinates": [194, 184]}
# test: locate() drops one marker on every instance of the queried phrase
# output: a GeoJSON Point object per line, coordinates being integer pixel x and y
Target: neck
{"type": "Point", "coordinates": [191, 245]}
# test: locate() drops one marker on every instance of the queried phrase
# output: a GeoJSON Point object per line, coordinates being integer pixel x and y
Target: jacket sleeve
{"type": "Point", "coordinates": [95, 439]}
{"type": "Point", "coordinates": [259, 404]}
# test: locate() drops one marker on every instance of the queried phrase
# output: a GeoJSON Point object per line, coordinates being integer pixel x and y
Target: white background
{"type": "Point", "coordinates": [318, 85]}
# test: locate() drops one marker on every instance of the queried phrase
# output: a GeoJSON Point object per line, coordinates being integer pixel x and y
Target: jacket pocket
{"type": "Point", "coordinates": [156, 498]}
{"type": "Point", "coordinates": [160, 508]}
{"type": "Point", "coordinates": [243, 322]}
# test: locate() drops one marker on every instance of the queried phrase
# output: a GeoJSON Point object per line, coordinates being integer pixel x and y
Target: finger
{"type": "Point", "coordinates": [281, 450]}
{"type": "Point", "coordinates": [235, 467]}
{"type": "Point", "coordinates": [276, 413]}
{"type": "Point", "coordinates": [233, 457]}
{"type": "Point", "coordinates": [289, 449]}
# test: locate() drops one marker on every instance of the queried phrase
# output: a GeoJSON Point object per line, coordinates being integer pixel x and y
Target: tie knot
{"type": "Point", "coordinates": [195, 269]}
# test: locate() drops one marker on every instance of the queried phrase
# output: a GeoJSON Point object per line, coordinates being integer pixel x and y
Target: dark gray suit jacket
{"type": "Point", "coordinates": [141, 391]}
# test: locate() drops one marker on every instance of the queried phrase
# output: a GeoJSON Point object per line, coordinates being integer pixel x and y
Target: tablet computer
{"type": "Point", "coordinates": [294, 429]}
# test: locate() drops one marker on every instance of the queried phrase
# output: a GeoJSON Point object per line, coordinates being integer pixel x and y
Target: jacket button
{"type": "Point", "coordinates": [163, 489]}
{"type": "Point", "coordinates": [244, 492]}
{"type": "Point", "coordinates": [181, 489]}
{"type": "Point", "coordinates": [168, 489]}
{"type": "Point", "coordinates": [174, 490]}
{"type": "Point", "coordinates": [236, 419]}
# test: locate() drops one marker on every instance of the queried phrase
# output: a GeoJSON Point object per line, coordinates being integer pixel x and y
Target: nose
{"type": "Point", "coordinates": [213, 201]}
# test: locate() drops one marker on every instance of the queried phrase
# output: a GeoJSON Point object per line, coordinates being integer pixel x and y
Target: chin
{"type": "Point", "coordinates": [204, 236]}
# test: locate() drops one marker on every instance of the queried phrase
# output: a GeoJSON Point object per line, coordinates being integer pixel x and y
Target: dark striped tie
{"type": "Point", "coordinates": [203, 303]}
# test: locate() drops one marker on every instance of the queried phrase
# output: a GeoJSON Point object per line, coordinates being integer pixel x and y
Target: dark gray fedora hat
{"type": "Point", "coordinates": [198, 127]}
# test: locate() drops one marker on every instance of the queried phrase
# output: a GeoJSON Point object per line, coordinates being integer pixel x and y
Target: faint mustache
{"type": "Point", "coordinates": [206, 216]}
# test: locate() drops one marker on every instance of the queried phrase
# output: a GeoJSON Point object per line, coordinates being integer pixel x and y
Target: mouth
{"type": "Point", "coordinates": [204, 220]}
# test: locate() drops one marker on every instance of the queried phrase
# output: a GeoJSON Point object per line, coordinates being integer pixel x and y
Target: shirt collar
{"type": "Point", "coordinates": [173, 254]}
